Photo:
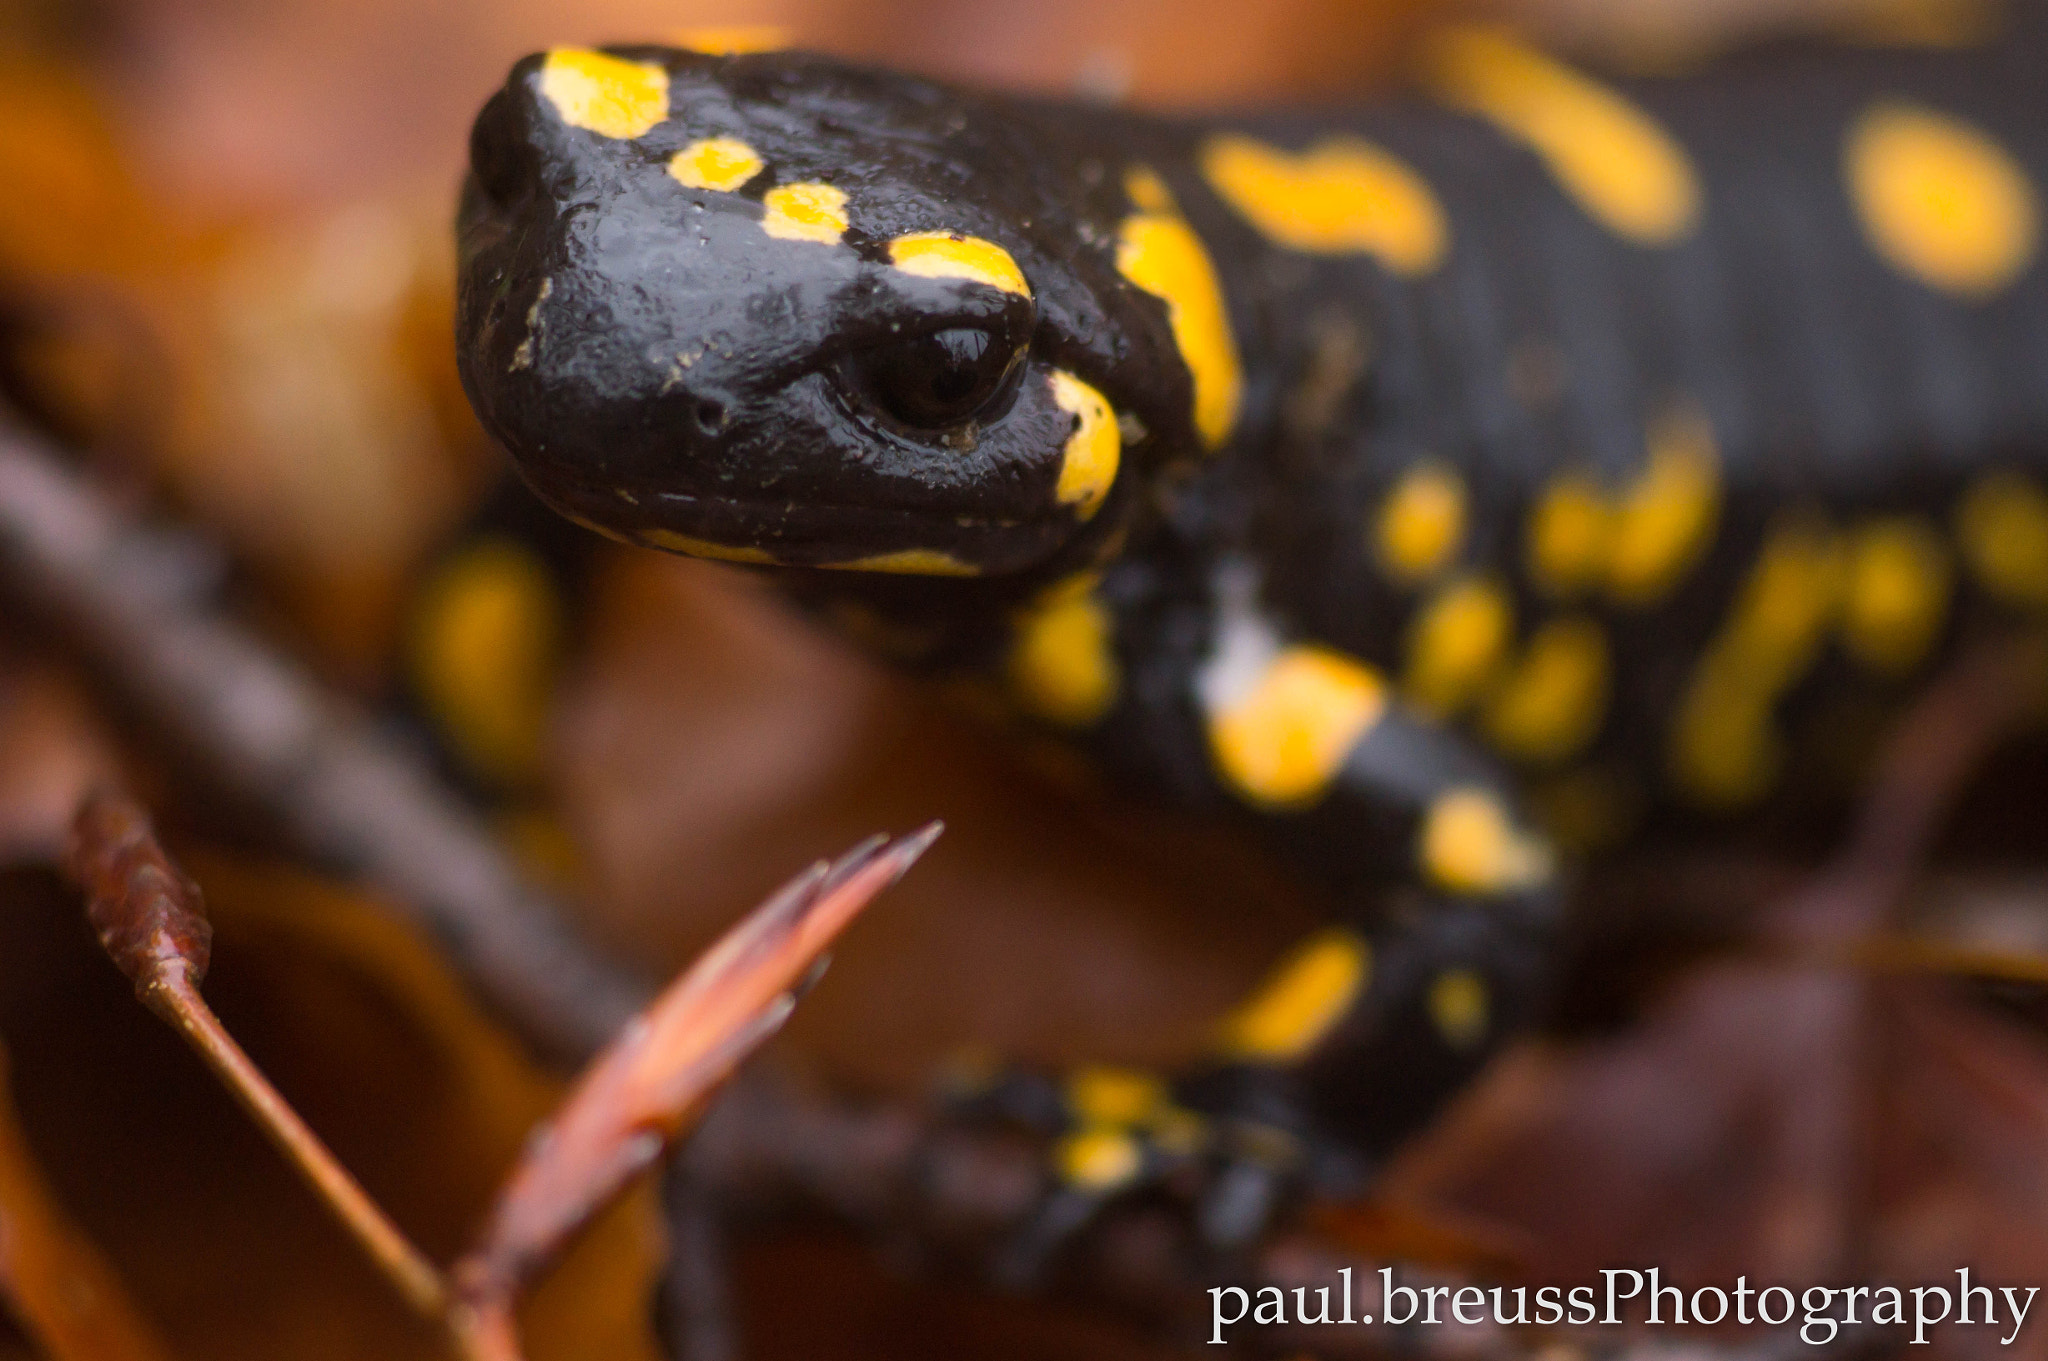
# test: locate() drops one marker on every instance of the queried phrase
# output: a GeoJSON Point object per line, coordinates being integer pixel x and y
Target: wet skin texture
{"type": "Point", "coordinates": [1445, 489]}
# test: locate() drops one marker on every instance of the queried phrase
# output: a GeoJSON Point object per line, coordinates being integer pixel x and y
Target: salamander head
{"type": "Point", "coordinates": [776, 309]}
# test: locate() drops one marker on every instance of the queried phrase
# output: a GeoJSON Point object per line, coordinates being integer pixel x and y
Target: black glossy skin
{"type": "Point", "coordinates": [1833, 382]}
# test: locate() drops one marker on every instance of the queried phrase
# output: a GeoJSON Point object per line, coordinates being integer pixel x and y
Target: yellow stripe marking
{"type": "Point", "coordinates": [1115, 1098]}
{"type": "Point", "coordinates": [805, 212]}
{"type": "Point", "coordinates": [916, 562]}
{"type": "Point", "coordinates": [704, 548]}
{"type": "Point", "coordinates": [1551, 704]}
{"type": "Point", "coordinates": [1940, 200]}
{"type": "Point", "coordinates": [1088, 464]}
{"type": "Point", "coordinates": [609, 96]}
{"type": "Point", "coordinates": [1062, 664]}
{"type": "Point", "coordinates": [1570, 535]}
{"type": "Point", "coordinates": [949, 255]}
{"type": "Point", "coordinates": [1624, 170]}
{"type": "Point", "coordinates": [732, 40]}
{"type": "Point", "coordinates": [1294, 1009]}
{"type": "Point", "coordinates": [1665, 520]}
{"type": "Point", "coordinates": [1341, 196]}
{"type": "Point", "coordinates": [1469, 844]}
{"type": "Point", "coordinates": [486, 639]}
{"type": "Point", "coordinates": [1724, 744]}
{"type": "Point", "coordinates": [1900, 573]}
{"type": "Point", "coordinates": [2002, 525]}
{"type": "Point", "coordinates": [1098, 1160]}
{"type": "Point", "coordinates": [1455, 644]}
{"type": "Point", "coordinates": [719, 163]}
{"type": "Point", "coordinates": [1459, 1007]}
{"type": "Point", "coordinates": [1285, 739]}
{"type": "Point", "coordinates": [1421, 523]}
{"type": "Point", "coordinates": [1157, 251]}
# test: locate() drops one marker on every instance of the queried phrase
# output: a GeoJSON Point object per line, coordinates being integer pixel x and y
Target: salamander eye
{"type": "Point", "coordinates": [936, 381]}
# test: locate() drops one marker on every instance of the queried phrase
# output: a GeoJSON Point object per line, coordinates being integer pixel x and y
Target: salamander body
{"type": "Point", "coordinates": [1444, 488]}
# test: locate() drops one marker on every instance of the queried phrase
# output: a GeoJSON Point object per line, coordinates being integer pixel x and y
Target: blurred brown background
{"type": "Point", "coordinates": [224, 234]}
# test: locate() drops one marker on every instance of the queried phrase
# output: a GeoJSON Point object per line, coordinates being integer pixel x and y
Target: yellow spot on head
{"type": "Point", "coordinates": [1089, 464]}
{"type": "Point", "coordinates": [704, 548]}
{"type": "Point", "coordinates": [1469, 844]}
{"type": "Point", "coordinates": [1297, 1005]}
{"type": "Point", "coordinates": [1098, 1160]}
{"type": "Point", "coordinates": [804, 212]}
{"type": "Point", "coordinates": [1341, 196]}
{"type": "Point", "coordinates": [1062, 664]}
{"type": "Point", "coordinates": [609, 96]}
{"type": "Point", "coordinates": [2002, 525]}
{"type": "Point", "coordinates": [1664, 521]}
{"type": "Point", "coordinates": [1569, 536]}
{"type": "Point", "coordinates": [732, 40]}
{"type": "Point", "coordinates": [1899, 577]}
{"type": "Point", "coordinates": [720, 163]}
{"type": "Point", "coordinates": [1455, 643]}
{"type": "Point", "coordinates": [1285, 739]}
{"type": "Point", "coordinates": [1116, 1098]}
{"type": "Point", "coordinates": [485, 643]}
{"type": "Point", "coordinates": [1550, 706]}
{"type": "Point", "coordinates": [1458, 1007]}
{"type": "Point", "coordinates": [1422, 522]}
{"type": "Point", "coordinates": [1157, 251]}
{"type": "Point", "coordinates": [1940, 200]}
{"type": "Point", "coordinates": [916, 562]}
{"type": "Point", "coordinates": [1623, 169]}
{"type": "Point", "coordinates": [945, 255]}
{"type": "Point", "coordinates": [1725, 748]}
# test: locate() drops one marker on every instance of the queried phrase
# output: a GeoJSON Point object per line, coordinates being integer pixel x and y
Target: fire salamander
{"type": "Point", "coordinates": [1445, 489]}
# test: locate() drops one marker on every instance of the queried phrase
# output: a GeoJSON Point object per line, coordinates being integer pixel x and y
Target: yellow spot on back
{"type": "Point", "coordinates": [946, 255]}
{"type": "Point", "coordinates": [731, 40]}
{"type": "Point", "coordinates": [1455, 643]}
{"type": "Point", "coordinates": [1062, 663]}
{"type": "Point", "coordinates": [1098, 1159]}
{"type": "Point", "coordinates": [804, 212]}
{"type": "Point", "coordinates": [1157, 251]}
{"type": "Point", "coordinates": [1295, 1008]}
{"type": "Point", "coordinates": [1285, 739]}
{"type": "Point", "coordinates": [1664, 521]}
{"type": "Point", "coordinates": [610, 96]}
{"type": "Point", "coordinates": [1621, 167]}
{"type": "Point", "coordinates": [1551, 704]}
{"type": "Point", "coordinates": [1469, 844]}
{"type": "Point", "coordinates": [720, 163]}
{"type": "Point", "coordinates": [1724, 744]}
{"type": "Point", "coordinates": [1570, 532]}
{"type": "Point", "coordinates": [485, 642]}
{"type": "Point", "coordinates": [1341, 196]}
{"type": "Point", "coordinates": [1422, 522]}
{"type": "Point", "coordinates": [1940, 200]}
{"type": "Point", "coordinates": [1116, 1098]}
{"type": "Point", "coordinates": [1898, 588]}
{"type": "Point", "coordinates": [916, 562]}
{"type": "Point", "coordinates": [1458, 1007]}
{"type": "Point", "coordinates": [704, 548]}
{"type": "Point", "coordinates": [1088, 465]}
{"type": "Point", "coordinates": [2002, 525]}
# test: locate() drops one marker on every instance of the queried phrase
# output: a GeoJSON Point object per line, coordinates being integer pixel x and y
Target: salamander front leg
{"type": "Point", "coordinates": [1357, 1039]}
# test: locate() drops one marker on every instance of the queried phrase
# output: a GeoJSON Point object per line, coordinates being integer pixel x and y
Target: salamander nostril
{"type": "Point", "coordinates": [710, 416]}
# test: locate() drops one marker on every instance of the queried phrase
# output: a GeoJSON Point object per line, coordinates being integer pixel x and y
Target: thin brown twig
{"type": "Point", "coordinates": [152, 922]}
{"type": "Point", "coordinates": [130, 600]}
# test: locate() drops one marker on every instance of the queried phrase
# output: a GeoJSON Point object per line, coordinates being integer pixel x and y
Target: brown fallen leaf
{"type": "Point", "coordinates": [55, 1283]}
